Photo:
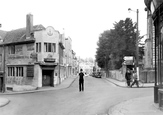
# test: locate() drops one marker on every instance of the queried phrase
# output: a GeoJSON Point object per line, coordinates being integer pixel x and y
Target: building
{"type": "Point", "coordinates": [155, 7]}
{"type": "Point", "coordinates": [31, 55]}
{"type": "Point", "coordinates": [148, 50]}
{"type": "Point", "coordinates": [68, 56]}
{"type": "Point", "coordinates": [35, 56]}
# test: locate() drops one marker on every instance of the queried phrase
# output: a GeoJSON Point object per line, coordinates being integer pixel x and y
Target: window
{"type": "Point", "coordinates": [45, 47]}
{"type": "Point", "coordinates": [38, 47]}
{"type": "Point", "coordinates": [54, 47]}
{"type": "Point", "coordinates": [15, 71]}
{"type": "Point", "coordinates": [12, 49]}
{"type": "Point", "coordinates": [19, 71]}
{"type": "Point", "coordinates": [11, 71]}
{"type": "Point", "coordinates": [49, 47]}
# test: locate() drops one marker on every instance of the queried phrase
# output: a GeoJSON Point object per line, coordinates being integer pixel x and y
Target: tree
{"type": "Point", "coordinates": [116, 43]}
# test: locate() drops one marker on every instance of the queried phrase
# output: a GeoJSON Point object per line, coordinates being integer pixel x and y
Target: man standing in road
{"type": "Point", "coordinates": [81, 80]}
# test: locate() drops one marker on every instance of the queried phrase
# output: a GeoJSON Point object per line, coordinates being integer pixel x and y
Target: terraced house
{"type": "Point", "coordinates": [33, 55]}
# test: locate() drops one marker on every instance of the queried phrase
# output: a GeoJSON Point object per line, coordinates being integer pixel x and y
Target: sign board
{"type": "Point", "coordinates": [128, 58]}
{"type": "Point", "coordinates": [49, 59]}
{"type": "Point", "coordinates": [128, 62]}
{"type": "Point", "coordinates": [30, 71]}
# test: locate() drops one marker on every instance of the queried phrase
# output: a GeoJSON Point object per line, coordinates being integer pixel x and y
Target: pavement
{"type": "Point", "coordinates": [27, 89]}
{"type": "Point", "coordinates": [123, 84]}
{"type": "Point", "coordinates": [137, 106]}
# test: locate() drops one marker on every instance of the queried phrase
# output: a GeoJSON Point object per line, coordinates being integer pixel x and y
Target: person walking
{"type": "Point", "coordinates": [81, 80]}
{"type": "Point", "coordinates": [135, 80]}
{"type": "Point", "coordinates": [128, 77]}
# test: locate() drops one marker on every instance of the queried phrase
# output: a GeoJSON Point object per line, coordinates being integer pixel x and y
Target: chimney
{"type": "Point", "coordinates": [29, 25]}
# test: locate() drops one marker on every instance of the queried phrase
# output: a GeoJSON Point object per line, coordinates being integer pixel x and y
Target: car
{"type": "Point", "coordinates": [98, 75]}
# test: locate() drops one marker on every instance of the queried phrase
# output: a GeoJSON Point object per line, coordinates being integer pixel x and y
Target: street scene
{"type": "Point", "coordinates": [99, 95]}
{"type": "Point", "coordinates": [81, 57]}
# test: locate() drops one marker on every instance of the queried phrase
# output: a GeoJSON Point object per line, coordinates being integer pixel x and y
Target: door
{"type": "Point", "coordinates": [47, 77]}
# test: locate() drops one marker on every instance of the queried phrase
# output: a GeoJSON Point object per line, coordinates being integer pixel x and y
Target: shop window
{"type": "Point", "coordinates": [38, 47]}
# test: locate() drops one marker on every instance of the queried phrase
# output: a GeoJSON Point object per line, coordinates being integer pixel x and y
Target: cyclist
{"type": "Point", "coordinates": [135, 79]}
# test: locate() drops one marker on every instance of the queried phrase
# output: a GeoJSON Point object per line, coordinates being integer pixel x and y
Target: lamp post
{"type": "Point", "coordinates": [137, 41]}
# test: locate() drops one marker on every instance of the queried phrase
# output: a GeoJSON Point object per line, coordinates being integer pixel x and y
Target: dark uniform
{"type": "Point", "coordinates": [128, 77]}
{"type": "Point", "coordinates": [81, 81]}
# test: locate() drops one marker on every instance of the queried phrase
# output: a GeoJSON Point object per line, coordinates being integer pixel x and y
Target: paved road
{"type": "Point", "coordinates": [98, 96]}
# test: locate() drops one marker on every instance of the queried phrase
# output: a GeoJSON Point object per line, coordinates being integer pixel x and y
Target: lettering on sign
{"type": "Point", "coordinates": [49, 59]}
{"type": "Point", "coordinates": [18, 57]}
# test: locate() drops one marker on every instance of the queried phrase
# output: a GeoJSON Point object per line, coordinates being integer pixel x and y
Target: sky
{"type": "Point", "coordinates": [82, 20]}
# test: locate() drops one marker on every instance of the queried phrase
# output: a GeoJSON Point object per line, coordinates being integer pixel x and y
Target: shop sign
{"type": "Point", "coordinates": [49, 59]}
{"type": "Point", "coordinates": [18, 57]}
{"type": "Point", "coordinates": [30, 71]}
{"type": "Point", "coordinates": [128, 62]}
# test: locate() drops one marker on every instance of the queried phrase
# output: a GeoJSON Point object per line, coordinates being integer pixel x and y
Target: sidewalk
{"type": "Point", "coordinates": [65, 84]}
{"type": "Point", "coordinates": [122, 83]}
{"type": "Point", "coordinates": [137, 106]}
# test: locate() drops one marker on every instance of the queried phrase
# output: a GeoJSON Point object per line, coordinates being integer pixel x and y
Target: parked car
{"type": "Point", "coordinates": [99, 75]}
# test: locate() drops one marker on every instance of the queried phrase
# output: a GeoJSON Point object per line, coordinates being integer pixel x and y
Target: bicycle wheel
{"type": "Point", "coordinates": [140, 83]}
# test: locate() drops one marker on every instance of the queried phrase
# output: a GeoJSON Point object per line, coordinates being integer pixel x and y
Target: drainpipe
{"type": "Point", "coordinates": [4, 89]}
{"type": "Point", "coordinates": [59, 66]}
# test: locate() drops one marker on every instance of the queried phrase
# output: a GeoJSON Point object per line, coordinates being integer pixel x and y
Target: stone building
{"type": "Point", "coordinates": [35, 56]}
{"type": "Point", "coordinates": [31, 55]}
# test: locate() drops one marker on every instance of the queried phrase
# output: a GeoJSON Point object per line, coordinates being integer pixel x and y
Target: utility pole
{"type": "Point", "coordinates": [137, 45]}
{"type": "Point", "coordinates": [137, 41]}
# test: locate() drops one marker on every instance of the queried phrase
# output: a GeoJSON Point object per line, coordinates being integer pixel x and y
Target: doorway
{"type": "Point", "coordinates": [47, 77]}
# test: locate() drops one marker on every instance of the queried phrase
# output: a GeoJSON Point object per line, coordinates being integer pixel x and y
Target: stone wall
{"type": "Point", "coordinates": [147, 76]}
{"type": "Point", "coordinates": [117, 74]}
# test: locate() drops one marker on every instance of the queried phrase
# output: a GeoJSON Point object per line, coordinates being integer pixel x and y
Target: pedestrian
{"type": "Point", "coordinates": [128, 77]}
{"type": "Point", "coordinates": [81, 80]}
{"type": "Point", "coordinates": [135, 80]}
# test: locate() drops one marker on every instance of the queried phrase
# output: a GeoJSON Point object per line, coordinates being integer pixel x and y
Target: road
{"type": "Point", "coordinates": [98, 97]}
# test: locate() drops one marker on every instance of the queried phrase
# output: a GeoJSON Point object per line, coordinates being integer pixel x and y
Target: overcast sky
{"type": "Point", "coordinates": [83, 20]}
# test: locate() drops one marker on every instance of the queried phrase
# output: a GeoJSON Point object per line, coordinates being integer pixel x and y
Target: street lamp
{"type": "Point", "coordinates": [137, 43]}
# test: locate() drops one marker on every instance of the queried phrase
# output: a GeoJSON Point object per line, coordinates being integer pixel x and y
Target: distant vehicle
{"type": "Point", "coordinates": [97, 74]}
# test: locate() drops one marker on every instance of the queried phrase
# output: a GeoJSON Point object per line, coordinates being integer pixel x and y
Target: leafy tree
{"type": "Point", "coordinates": [116, 43]}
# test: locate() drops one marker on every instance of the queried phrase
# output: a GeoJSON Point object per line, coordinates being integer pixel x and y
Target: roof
{"type": "Point", "coordinates": [2, 34]}
{"type": "Point", "coordinates": [19, 35]}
